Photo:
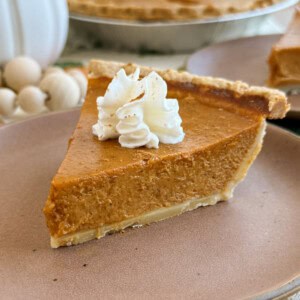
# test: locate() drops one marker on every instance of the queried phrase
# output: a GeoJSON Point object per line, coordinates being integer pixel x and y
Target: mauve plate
{"type": "Point", "coordinates": [236, 249]}
{"type": "Point", "coordinates": [243, 59]}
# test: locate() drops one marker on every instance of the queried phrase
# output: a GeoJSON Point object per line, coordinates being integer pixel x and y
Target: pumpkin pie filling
{"type": "Point", "coordinates": [102, 187]}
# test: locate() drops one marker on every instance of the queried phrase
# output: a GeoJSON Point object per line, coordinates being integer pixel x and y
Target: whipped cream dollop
{"type": "Point", "coordinates": [138, 112]}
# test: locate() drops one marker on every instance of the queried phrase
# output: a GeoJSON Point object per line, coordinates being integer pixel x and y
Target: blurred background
{"type": "Point", "coordinates": [63, 35]}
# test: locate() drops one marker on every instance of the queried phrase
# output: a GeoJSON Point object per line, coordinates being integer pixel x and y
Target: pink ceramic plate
{"type": "Point", "coordinates": [242, 59]}
{"type": "Point", "coordinates": [236, 249]}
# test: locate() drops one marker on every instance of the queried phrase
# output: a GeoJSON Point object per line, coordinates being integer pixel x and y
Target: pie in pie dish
{"type": "Point", "coordinates": [151, 10]}
{"type": "Point", "coordinates": [102, 187]}
{"type": "Point", "coordinates": [284, 60]}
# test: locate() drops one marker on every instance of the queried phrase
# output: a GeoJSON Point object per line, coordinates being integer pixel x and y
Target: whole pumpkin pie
{"type": "Point", "coordinates": [102, 187]}
{"type": "Point", "coordinates": [151, 10]}
{"type": "Point", "coordinates": [284, 59]}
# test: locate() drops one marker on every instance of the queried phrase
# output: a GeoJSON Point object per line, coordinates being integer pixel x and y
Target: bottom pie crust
{"type": "Point", "coordinates": [165, 212]}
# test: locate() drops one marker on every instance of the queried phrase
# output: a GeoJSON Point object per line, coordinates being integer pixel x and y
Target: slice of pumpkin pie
{"type": "Point", "coordinates": [284, 59]}
{"type": "Point", "coordinates": [150, 145]}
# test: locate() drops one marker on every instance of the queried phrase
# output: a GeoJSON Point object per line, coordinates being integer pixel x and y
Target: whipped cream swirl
{"type": "Point", "coordinates": [138, 112]}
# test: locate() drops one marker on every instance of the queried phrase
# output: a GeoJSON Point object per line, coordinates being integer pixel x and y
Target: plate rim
{"type": "Point", "coordinates": [38, 116]}
{"type": "Point", "coordinates": [293, 284]}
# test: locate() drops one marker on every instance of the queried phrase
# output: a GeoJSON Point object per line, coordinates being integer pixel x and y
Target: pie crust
{"type": "Point", "coordinates": [155, 10]}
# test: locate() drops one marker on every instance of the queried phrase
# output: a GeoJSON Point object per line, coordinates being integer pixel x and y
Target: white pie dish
{"type": "Point", "coordinates": [168, 37]}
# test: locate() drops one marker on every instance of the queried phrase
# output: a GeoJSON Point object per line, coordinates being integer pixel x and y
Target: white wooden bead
{"type": "Point", "coordinates": [63, 91]}
{"type": "Point", "coordinates": [32, 99]}
{"type": "Point", "coordinates": [7, 102]}
{"type": "Point", "coordinates": [52, 69]}
{"type": "Point", "coordinates": [22, 71]}
{"type": "Point", "coordinates": [81, 80]}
